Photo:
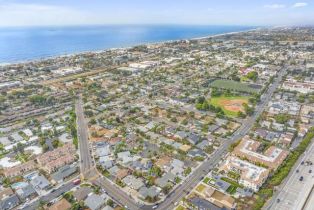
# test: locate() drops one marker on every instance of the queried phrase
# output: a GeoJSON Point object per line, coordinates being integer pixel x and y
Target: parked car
{"type": "Point", "coordinates": [301, 178]}
{"type": "Point", "coordinates": [76, 181]}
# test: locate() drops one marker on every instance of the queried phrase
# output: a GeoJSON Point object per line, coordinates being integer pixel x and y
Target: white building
{"type": "Point", "coordinates": [251, 176]}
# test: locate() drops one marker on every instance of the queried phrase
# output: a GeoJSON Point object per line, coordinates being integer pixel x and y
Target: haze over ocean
{"type": "Point", "coordinates": [30, 43]}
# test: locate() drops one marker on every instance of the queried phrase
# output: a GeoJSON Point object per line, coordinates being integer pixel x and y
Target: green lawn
{"type": "Point", "coordinates": [234, 86]}
{"type": "Point", "coordinates": [232, 189]}
{"type": "Point", "coordinates": [22, 157]}
{"type": "Point", "coordinates": [218, 102]}
{"type": "Point", "coordinates": [180, 208]}
{"type": "Point", "coordinates": [230, 181]}
{"type": "Point", "coordinates": [206, 180]}
{"type": "Point", "coordinates": [233, 175]}
{"type": "Point", "coordinates": [200, 188]}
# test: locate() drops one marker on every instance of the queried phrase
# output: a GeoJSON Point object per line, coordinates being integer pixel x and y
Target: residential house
{"type": "Point", "coordinates": [132, 182]}
{"type": "Point", "coordinates": [102, 150]}
{"type": "Point", "coordinates": [203, 144]}
{"type": "Point", "coordinates": [95, 202]}
{"type": "Point", "coordinates": [8, 200]}
{"type": "Point", "coordinates": [166, 179]}
{"type": "Point", "coordinates": [218, 198]}
{"type": "Point", "coordinates": [286, 138]}
{"type": "Point", "coordinates": [82, 193]}
{"type": "Point", "coordinates": [177, 167]}
{"type": "Point", "coordinates": [125, 157]}
{"type": "Point", "coordinates": [5, 141]}
{"type": "Point", "coordinates": [64, 172]}
{"type": "Point", "coordinates": [163, 162]}
{"type": "Point", "coordinates": [24, 190]}
{"type": "Point", "coordinates": [196, 153]}
{"type": "Point", "coordinates": [121, 173]}
{"type": "Point", "coordinates": [105, 162]}
{"type": "Point", "coordinates": [108, 208]}
{"type": "Point", "coordinates": [61, 204]}
{"type": "Point", "coordinates": [151, 192]}
{"type": "Point", "coordinates": [16, 137]}
{"type": "Point", "coordinates": [193, 138]}
{"type": "Point", "coordinates": [181, 134]}
{"type": "Point", "coordinates": [40, 183]}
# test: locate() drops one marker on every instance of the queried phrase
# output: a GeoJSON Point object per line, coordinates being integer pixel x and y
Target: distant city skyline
{"type": "Point", "coordinates": [201, 12]}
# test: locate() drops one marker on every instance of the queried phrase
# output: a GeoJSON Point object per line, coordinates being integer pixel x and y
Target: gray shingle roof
{"type": "Point", "coordinates": [63, 172]}
{"type": "Point", "coordinates": [94, 202]}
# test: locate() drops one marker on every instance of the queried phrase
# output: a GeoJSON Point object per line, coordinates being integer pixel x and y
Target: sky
{"type": "Point", "coordinates": [189, 12]}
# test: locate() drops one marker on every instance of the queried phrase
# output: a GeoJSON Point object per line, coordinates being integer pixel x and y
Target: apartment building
{"type": "Point", "coordinates": [250, 150]}
{"type": "Point", "coordinates": [51, 161]}
{"type": "Point", "coordinates": [251, 176]}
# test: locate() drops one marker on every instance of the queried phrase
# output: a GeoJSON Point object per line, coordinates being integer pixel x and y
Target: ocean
{"type": "Point", "coordinates": [18, 44]}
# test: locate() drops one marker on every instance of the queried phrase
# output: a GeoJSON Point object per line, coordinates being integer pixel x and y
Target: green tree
{"type": "Point", "coordinates": [253, 75]}
{"type": "Point", "coordinates": [187, 171]}
{"type": "Point", "coordinates": [248, 110]}
{"type": "Point", "coordinates": [241, 114]}
{"type": "Point", "coordinates": [282, 118]}
{"type": "Point", "coordinates": [166, 189]}
{"type": "Point", "coordinates": [110, 202]}
{"type": "Point", "coordinates": [55, 143]}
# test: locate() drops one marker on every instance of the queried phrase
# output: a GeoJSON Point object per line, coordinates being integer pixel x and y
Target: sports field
{"type": "Point", "coordinates": [230, 105]}
{"type": "Point", "coordinates": [235, 86]}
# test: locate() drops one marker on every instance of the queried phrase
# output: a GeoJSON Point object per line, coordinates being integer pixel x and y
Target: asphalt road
{"type": "Point", "coordinates": [52, 195]}
{"type": "Point", "coordinates": [86, 161]}
{"type": "Point", "coordinates": [88, 169]}
{"type": "Point", "coordinates": [207, 165]}
{"type": "Point", "coordinates": [117, 194]}
{"type": "Point", "coordinates": [310, 201]}
{"type": "Point", "coordinates": [294, 194]}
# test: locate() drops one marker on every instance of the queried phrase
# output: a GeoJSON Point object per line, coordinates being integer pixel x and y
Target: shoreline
{"type": "Point", "coordinates": [4, 64]}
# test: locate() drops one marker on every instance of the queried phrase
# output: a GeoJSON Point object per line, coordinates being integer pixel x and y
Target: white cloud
{"type": "Point", "coordinates": [14, 14]}
{"type": "Point", "coordinates": [300, 4]}
{"type": "Point", "coordinates": [275, 6]}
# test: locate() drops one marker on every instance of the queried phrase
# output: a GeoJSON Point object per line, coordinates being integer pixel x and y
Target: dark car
{"type": "Point", "coordinates": [278, 200]}
{"type": "Point", "coordinates": [302, 163]}
{"type": "Point", "coordinates": [310, 171]}
{"type": "Point", "coordinates": [49, 204]}
{"type": "Point", "coordinates": [297, 171]}
{"type": "Point", "coordinates": [301, 178]}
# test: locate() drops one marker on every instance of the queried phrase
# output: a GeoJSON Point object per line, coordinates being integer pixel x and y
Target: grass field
{"type": "Point", "coordinates": [235, 86]}
{"type": "Point", "coordinates": [232, 189]}
{"type": "Point", "coordinates": [180, 208]}
{"type": "Point", "coordinates": [200, 188]}
{"type": "Point", "coordinates": [230, 105]}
